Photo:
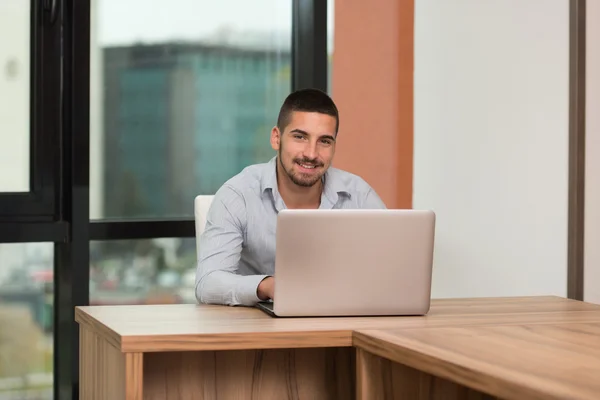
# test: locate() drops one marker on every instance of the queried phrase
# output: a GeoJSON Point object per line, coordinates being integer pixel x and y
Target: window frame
{"type": "Point", "coordinates": [40, 203]}
{"type": "Point", "coordinates": [72, 256]}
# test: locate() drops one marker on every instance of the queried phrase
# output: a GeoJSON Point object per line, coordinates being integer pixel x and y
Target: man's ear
{"type": "Point", "coordinates": [275, 138]}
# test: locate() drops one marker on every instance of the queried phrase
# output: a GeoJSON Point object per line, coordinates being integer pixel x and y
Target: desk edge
{"type": "Point", "coordinates": [98, 328]}
{"type": "Point", "coordinates": [236, 341]}
{"type": "Point", "coordinates": [374, 341]}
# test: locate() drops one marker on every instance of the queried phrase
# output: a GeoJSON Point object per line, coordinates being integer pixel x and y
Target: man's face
{"type": "Point", "coordinates": [305, 147]}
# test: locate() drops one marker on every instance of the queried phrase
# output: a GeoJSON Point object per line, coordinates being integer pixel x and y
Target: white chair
{"type": "Point", "coordinates": [201, 205]}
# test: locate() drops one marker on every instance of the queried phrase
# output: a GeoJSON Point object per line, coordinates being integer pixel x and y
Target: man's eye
{"type": "Point", "coordinates": [326, 141]}
{"type": "Point", "coordinates": [298, 136]}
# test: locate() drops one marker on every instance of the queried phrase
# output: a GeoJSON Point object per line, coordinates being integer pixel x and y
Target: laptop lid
{"type": "Point", "coordinates": [353, 262]}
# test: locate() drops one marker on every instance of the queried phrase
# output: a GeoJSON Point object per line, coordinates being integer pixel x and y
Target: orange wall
{"type": "Point", "coordinates": [373, 89]}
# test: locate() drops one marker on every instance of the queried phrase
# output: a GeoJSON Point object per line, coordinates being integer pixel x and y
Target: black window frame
{"type": "Point", "coordinates": [40, 203]}
{"type": "Point", "coordinates": [309, 69]}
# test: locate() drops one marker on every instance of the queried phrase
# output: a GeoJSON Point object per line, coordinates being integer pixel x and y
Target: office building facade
{"type": "Point", "coordinates": [179, 120]}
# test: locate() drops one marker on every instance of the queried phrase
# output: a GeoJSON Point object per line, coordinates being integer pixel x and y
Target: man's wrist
{"type": "Point", "coordinates": [262, 291]}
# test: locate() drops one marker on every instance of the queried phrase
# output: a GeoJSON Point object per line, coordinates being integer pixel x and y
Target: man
{"type": "Point", "coordinates": [237, 249]}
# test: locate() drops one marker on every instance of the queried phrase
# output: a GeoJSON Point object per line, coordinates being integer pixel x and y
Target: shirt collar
{"type": "Point", "coordinates": [332, 187]}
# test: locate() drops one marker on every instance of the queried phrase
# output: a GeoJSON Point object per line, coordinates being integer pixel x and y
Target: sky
{"type": "Point", "coordinates": [129, 21]}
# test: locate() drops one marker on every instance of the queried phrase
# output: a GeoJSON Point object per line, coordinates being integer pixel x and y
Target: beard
{"type": "Point", "coordinates": [298, 178]}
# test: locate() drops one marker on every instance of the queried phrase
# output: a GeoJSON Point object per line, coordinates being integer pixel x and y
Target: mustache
{"type": "Point", "coordinates": [308, 161]}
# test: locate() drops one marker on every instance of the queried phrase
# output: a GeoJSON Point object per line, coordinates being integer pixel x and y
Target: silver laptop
{"type": "Point", "coordinates": [352, 263]}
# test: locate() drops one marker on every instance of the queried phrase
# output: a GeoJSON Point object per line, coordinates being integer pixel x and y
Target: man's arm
{"type": "Point", "coordinates": [217, 281]}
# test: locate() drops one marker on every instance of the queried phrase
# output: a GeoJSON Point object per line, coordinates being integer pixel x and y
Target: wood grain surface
{"type": "Point", "coordinates": [134, 376]}
{"type": "Point", "coordinates": [278, 374]}
{"type": "Point", "coordinates": [381, 378]}
{"type": "Point", "coordinates": [525, 348]}
{"type": "Point", "coordinates": [151, 328]}
{"type": "Point", "coordinates": [530, 361]}
{"type": "Point", "coordinates": [106, 373]}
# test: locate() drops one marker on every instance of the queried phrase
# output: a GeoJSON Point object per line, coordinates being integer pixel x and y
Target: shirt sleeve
{"type": "Point", "coordinates": [217, 281]}
{"type": "Point", "coordinates": [373, 201]}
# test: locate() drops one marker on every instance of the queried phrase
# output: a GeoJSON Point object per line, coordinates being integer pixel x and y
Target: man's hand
{"type": "Point", "coordinates": [266, 288]}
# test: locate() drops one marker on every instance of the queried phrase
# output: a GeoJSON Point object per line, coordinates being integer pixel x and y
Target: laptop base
{"type": "Point", "coordinates": [267, 307]}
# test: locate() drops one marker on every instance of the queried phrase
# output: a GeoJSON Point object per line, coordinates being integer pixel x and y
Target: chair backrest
{"type": "Point", "coordinates": [201, 205]}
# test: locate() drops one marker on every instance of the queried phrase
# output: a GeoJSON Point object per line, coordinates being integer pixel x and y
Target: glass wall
{"type": "Point", "coordinates": [178, 106]}
{"type": "Point", "coordinates": [184, 102]}
{"type": "Point", "coordinates": [14, 95]}
{"type": "Point", "coordinates": [26, 321]}
{"type": "Point", "coordinates": [26, 270]}
{"type": "Point", "coordinates": [152, 271]}
{"type": "Point", "coordinates": [183, 95]}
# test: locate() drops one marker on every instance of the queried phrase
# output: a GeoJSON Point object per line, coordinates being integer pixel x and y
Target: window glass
{"type": "Point", "coordinates": [26, 321]}
{"type": "Point", "coordinates": [149, 271]}
{"type": "Point", "coordinates": [184, 96]}
{"type": "Point", "coordinates": [14, 95]}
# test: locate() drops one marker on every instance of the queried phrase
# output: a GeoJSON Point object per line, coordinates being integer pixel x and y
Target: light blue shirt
{"type": "Point", "coordinates": [237, 247]}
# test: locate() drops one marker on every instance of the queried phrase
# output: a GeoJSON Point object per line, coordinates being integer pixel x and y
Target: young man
{"type": "Point", "coordinates": [237, 252]}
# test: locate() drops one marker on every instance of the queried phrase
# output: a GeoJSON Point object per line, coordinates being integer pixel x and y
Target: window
{"type": "Point", "coordinates": [14, 101]}
{"type": "Point", "coordinates": [29, 110]}
{"type": "Point", "coordinates": [186, 102]}
{"type": "Point", "coordinates": [29, 131]}
{"type": "Point", "coordinates": [143, 271]}
{"type": "Point", "coordinates": [26, 320]}
{"type": "Point", "coordinates": [108, 138]}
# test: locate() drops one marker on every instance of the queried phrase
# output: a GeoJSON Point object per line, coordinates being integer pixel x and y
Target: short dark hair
{"type": "Point", "coordinates": [307, 100]}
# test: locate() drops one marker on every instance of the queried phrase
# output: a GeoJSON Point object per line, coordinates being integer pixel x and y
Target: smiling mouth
{"type": "Point", "coordinates": [307, 166]}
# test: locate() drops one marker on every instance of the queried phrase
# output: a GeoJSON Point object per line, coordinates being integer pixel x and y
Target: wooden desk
{"type": "Point", "coordinates": [529, 361]}
{"type": "Point", "coordinates": [210, 352]}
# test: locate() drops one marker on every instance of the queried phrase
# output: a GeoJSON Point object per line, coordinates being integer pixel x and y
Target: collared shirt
{"type": "Point", "coordinates": [237, 247]}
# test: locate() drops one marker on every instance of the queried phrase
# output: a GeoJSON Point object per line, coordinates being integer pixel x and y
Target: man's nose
{"type": "Point", "coordinates": [311, 151]}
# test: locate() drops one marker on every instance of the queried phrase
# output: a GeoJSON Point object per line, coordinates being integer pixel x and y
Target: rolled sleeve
{"type": "Point", "coordinates": [247, 289]}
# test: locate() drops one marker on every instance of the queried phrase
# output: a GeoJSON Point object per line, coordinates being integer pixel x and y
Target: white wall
{"type": "Point", "coordinates": [14, 95]}
{"type": "Point", "coordinates": [491, 143]}
{"type": "Point", "coordinates": [591, 273]}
